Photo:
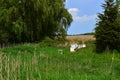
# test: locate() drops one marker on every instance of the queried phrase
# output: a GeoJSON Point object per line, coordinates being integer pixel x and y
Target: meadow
{"type": "Point", "coordinates": [37, 62]}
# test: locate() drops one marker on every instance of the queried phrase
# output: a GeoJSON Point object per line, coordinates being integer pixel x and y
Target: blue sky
{"type": "Point", "coordinates": [84, 13]}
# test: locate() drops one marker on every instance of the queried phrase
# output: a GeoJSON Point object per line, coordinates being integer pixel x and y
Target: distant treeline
{"type": "Point", "coordinates": [32, 20]}
{"type": "Point", "coordinates": [91, 33]}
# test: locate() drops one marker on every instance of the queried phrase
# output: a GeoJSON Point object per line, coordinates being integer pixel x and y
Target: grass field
{"type": "Point", "coordinates": [35, 62]}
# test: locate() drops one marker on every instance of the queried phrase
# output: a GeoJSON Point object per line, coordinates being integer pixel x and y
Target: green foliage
{"type": "Point", "coordinates": [31, 21]}
{"type": "Point", "coordinates": [47, 42]}
{"type": "Point", "coordinates": [52, 42]}
{"type": "Point", "coordinates": [107, 32]}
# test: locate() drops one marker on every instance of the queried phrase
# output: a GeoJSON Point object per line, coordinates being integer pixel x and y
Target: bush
{"type": "Point", "coordinates": [52, 42]}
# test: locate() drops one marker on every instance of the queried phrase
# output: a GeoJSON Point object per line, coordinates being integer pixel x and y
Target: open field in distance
{"type": "Point", "coordinates": [81, 37]}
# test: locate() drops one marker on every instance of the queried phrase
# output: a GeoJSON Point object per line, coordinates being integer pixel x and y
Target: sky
{"type": "Point", "coordinates": [84, 13]}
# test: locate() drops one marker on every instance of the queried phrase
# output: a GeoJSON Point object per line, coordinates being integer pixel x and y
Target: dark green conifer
{"type": "Point", "coordinates": [107, 32]}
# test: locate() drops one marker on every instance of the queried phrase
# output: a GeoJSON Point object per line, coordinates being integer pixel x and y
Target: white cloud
{"type": "Point", "coordinates": [84, 18]}
{"type": "Point", "coordinates": [73, 11]}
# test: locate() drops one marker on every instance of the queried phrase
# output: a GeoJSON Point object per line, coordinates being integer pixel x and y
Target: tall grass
{"type": "Point", "coordinates": [34, 62]}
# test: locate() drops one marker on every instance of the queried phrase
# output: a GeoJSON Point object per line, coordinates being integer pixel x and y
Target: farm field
{"type": "Point", "coordinates": [36, 62]}
{"type": "Point", "coordinates": [81, 37]}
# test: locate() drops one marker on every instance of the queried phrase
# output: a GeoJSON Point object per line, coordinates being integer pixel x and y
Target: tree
{"type": "Point", "coordinates": [107, 32]}
{"type": "Point", "coordinates": [32, 20]}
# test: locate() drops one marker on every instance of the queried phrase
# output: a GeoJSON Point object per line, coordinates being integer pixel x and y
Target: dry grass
{"type": "Point", "coordinates": [81, 37]}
